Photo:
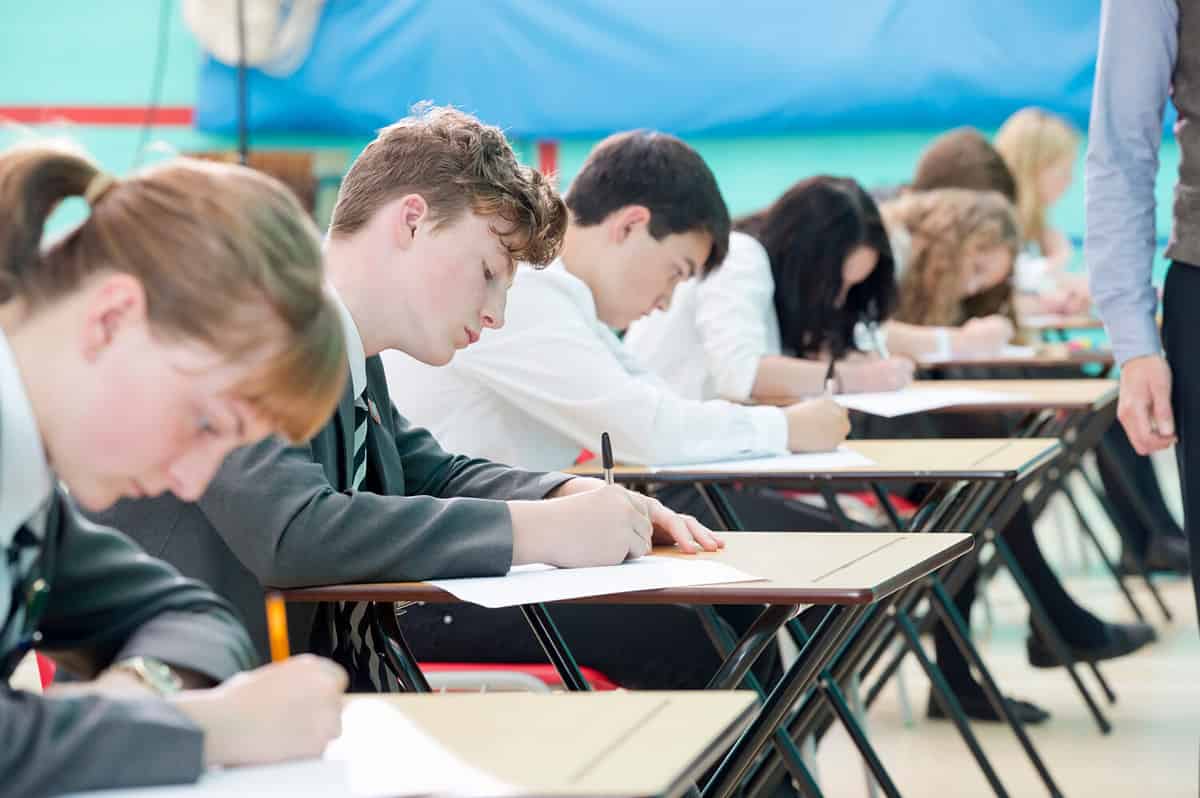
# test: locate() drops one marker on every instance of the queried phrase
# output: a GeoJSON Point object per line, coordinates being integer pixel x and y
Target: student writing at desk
{"type": "Point", "coordinates": [964, 158]}
{"type": "Point", "coordinates": [645, 215]}
{"type": "Point", "coordinates": [956, 236]}
{"type": "Point", "coordinates": [184, 317]}
{"type": "Point", "coordinates": [428, 225]}
{"type": "Point", "coordinates": [1040, 149]}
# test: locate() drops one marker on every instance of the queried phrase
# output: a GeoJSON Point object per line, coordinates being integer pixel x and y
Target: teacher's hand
{"type": "Point", "coordinates": [1144, 406]}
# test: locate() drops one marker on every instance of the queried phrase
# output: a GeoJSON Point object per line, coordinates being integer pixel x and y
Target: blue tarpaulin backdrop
{"type": "Point", "coordinates": [557, 68]}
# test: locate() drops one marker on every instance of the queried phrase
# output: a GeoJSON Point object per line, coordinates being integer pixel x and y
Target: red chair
{"type": "Point", "coordinates": [46, 669]}
{"type": "Point", "coordinates": [544, 673]}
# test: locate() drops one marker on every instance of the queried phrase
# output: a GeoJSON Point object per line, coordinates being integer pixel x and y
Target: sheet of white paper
{"type": "Point", "coordinates": [380, 753]}
{"type": "Point", "coordinates": [1008, 351]}
{"type": "Point", "coordinates": [533, 584]}
{"type": "Point", "coordinates": [842, 457]}
{"type": "Point", "coordinates": [916, 400]}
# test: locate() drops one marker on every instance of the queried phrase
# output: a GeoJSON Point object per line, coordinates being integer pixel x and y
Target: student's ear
{"type": "Point", "coordinates": [408, 214]}
{"type": "Point", "coordinates": [112, 304]}
{"type": "Point", "coordinates": [627, 219]}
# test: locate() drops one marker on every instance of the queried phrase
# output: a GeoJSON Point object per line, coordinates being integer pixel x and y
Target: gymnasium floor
{"type": "Point", "coordinates": [1152, 750]}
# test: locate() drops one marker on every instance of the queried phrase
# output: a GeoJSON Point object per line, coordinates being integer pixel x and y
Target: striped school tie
{"type": "Point", "coordinates": [354, 640]}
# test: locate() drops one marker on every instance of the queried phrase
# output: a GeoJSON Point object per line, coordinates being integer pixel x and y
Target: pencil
{"type": "Point", "coordinates": [277, 631]}
{"type": "Point", "coordinates": [606, 458]}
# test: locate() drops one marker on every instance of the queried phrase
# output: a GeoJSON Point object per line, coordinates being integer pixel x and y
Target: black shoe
{"type": "Point", "coordinates": [1166, 553]}
{"type": "Point", "coordinates": [1121, 639]}
{"type": "Point", "coordinates": [977, 707]}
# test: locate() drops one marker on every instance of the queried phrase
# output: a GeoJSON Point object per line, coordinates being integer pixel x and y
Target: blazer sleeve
{"type": "Point", "coordinates": [275, 508]}
{"type": "Point", "coordinates": [109, 599]}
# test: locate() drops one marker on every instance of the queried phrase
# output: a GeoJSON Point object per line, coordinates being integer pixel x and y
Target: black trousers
{"type": "Point", "coordinates": [1181, 297]}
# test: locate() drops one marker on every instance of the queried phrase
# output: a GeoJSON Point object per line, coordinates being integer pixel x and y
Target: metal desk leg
{"type": "Point", "coordinates": [722, 640]}
{"type": "Point", "coordinates": [949, 702]}
{"type": "Point", "coordinates": [957, 626]}
{"type": "Point", "coordinates": [829, 688]}
{"type": "Point", "coordinates": [798, 679]}
{"type": "Point", "coordinates": [552, 643]}
{"type": "Point", "coordinates": [1050, 636]}
{"type": "Point", "coordinates": [745, 653]}
{"type": "Point", "coordinates": [396, 653]}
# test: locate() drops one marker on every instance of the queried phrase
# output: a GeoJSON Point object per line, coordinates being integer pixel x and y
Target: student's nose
{"type": "Point", "coordinates": [493, 315]}
{"type": "Point", "coordinates": [189, 474]}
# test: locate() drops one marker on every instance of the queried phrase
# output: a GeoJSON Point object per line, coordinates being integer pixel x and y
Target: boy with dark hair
{"type": "Point", "coordinates": [645, 215]}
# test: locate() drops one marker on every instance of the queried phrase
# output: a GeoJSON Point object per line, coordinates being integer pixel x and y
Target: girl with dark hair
{"type": "Point", "coordinates": [806, 280]}
{"type": "Point", "coordinates": [800, 276]}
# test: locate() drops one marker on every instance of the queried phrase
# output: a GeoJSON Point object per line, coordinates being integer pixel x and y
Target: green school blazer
{"type": "Point", "coordinates": [105, 600]}
{"type": "Point", "coordinates": [283, 516]}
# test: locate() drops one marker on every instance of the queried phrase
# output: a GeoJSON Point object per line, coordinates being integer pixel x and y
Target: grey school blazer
{"type": "Point", "coordinates": [283, 516]}
{"type": "Point", "coordinates": [106, 601]}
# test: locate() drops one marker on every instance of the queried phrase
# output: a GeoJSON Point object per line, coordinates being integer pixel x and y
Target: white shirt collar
{"type": "Point", "coordinates": [354, 345]}
{"type": "Point", "coordinates": [577, 289]}
{"type": "Point", "coordinates": [25, 476]}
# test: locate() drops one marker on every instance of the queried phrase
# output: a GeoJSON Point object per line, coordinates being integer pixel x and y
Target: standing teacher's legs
{"type": "Point", "coordinates": [1181, 297]}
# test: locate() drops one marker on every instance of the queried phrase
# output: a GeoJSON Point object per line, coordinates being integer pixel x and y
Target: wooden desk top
{"type": "Point", "coordinates": [1089, 394]}
{"type": "Point", "coordinates": [1083, 394]}
{"type": "Point", "coordinates": [1039, 322]}
{"type": "Point", "coordinates": [899, 460]}
{"type": "Point", "coordinates": [1047, 356]}
{"type": "Point", "coordinates": [797, 567]}
{"type": "Point", "coordinates": [586, 744]}
{"type": "Point", "coordinates": [583, 745]}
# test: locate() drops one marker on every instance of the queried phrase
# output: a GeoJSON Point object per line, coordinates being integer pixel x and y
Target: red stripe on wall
{"type": "Point", "coordinates": [548, 157]}
{"type": "Point", "coordinates": [97, 114]}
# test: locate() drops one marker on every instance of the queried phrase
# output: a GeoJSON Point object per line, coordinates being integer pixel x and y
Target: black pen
{"type": "Point", "coordinates": [830, 378]}
{"type": "Point", "coordinates": [606, 458]}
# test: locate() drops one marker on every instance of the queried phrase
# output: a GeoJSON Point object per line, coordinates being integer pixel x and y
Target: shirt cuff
{"type": "Point", "coordinates": [1134, 337]}
{"type": "Point", "coordinates": [771, 430]}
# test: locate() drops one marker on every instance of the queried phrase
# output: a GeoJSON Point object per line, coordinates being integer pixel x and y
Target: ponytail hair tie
{"type": "Point", "coordinates": [97, 187]}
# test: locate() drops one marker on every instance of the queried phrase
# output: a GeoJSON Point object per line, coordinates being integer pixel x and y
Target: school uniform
{"type": "Point", "coordinates": [395, 507]}
{"type": "Point", "coordinates": [708, 344]}
{"type": "Point", "coordinates": [547, 384]}
{"type": "Point", "coordinates": [89, 597]}
{"type": "Point", "coordinates": [537, 392]}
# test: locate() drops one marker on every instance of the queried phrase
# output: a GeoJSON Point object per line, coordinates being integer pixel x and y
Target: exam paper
{"type": "Point", "coordinates": [537, 583]}
{"type": "Point", "coordinates": [1010, 351]}
{"type": "Point", "coordinates": [916, 400]}
{"type": "Point", "coordinates": [841, 457]}
{"type": "Point", "coordinates": [379, 753]}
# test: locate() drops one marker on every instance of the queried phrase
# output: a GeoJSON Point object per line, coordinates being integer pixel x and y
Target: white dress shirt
{"type": "Point", "coordinates": [710, 341]}
{"type": "Point", "coordinates": [354, 345]}
{"type": "Point", "coordinates": [25, 476]}
{"type": "Point", "coordinates": [536, 392]}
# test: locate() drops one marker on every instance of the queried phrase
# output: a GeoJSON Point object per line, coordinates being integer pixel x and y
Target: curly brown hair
{"type": "Point", "coordinates": [456, 163]}
{"type": "Point", "coordinates": [947, 226]}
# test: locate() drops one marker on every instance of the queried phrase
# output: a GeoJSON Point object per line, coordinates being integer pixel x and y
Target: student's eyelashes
{"type": "Point", "coordinates": [206, 428]}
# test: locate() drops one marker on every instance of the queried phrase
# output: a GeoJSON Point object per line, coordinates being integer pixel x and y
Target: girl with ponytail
{"type": "Point", "coordinates": [184, 317]}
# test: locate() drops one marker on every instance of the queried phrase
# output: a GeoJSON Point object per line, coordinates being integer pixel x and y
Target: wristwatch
{"type": "Point", "coordinates": [153, 673]}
